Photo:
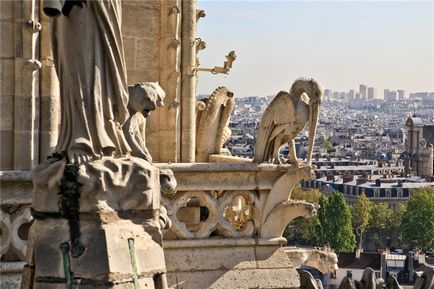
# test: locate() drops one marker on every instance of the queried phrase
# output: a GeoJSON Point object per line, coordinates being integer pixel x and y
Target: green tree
{"type": "Point", "coordinates": [301, 231]}
{"type": "Point", "coordinates": [334, 226]}
{"type": "Point", "coordinates": [328, 144]}
{"type": "Point", "coordinates": [380, 221]}
{"type": "Point", "coordinates": [396, 218]}
{"type": "Point", "coordinates": [418, 219]}
{"type": "Point", "coordinates": [381, 216]}
{"type": "Point", "coordinates": [360, 215]}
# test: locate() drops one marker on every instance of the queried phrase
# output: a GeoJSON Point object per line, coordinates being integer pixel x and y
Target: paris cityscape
{"type": "Point", "coordinates": [202, 144]}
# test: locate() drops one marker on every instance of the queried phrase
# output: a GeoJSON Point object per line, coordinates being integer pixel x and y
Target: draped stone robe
{"type": "Point", "coordinates": [89, 59]}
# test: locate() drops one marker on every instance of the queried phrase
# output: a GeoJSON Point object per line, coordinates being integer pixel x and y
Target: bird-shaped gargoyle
{"type": "Point", "coordinates": [285, 117]}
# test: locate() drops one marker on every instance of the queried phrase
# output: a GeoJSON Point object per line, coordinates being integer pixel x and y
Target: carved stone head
{"type": "Point", "coordinates": [145, 97]}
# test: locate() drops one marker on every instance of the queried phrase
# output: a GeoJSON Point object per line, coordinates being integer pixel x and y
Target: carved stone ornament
{"type": "Point", "coordinates": [212, 120]}
{"type": "Point", "coordinates": [285, 117]}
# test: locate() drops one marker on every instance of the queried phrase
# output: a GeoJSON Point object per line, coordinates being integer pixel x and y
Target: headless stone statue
{"type": "Point", "coordinates": [89, 57]}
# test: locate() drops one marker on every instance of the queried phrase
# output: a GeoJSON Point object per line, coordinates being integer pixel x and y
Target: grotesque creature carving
{"type": "Point", "coordinates": [368, 280]}
{"type": "Point", "coordinates": [308, 282]}
{"type": "Point", "coordinates": [144, 98]}
{"type": "Point", "coordinates": [285, 117]}
{"type": "Point", "coordinates": [212, 122]}
{"type": "Point", "coordinates": [392, 282]}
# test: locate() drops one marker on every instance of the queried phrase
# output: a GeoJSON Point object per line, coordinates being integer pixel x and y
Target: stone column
{"type": "Point", "coordinates": [188, 81]}
{"type": "Point", "coordinates": [49, 92]}
{"type": "Point", "coordinates": [26, 102]}
{"type": "Point", "coordinates": [170, 50]}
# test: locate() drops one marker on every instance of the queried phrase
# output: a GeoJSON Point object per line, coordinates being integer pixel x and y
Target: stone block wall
{"type": "Point", "coordinates": [150, 32]}
{"type": "Point", "coordinates": [19, 98]}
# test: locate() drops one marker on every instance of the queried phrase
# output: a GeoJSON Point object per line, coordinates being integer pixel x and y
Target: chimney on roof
{"type": "Point", "coordinates": [348, 178]}
{"type": "Point", "coordinates": [361, 180]}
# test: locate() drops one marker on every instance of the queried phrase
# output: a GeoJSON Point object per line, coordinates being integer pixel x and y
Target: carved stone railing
{"type": "Point", "coordinates": [15, 219]}
{"type": "Point", "coordinates": [234, 213]}
{"type": "Point", "coordinates": [234, 200]}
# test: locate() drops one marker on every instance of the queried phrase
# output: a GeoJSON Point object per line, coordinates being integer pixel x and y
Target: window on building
{"type": "Point", "coordinates": [399, 193]}
{"type": "Point", "coordinates": [376, 194]}
{"type": "Point", "coordinates": [388, 193]}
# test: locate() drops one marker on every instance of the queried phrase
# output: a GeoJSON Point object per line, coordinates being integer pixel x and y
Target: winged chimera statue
{"type": "Point", "coordinates": [285, 117]}
{"type": "Point", "coordinates": [212, 120]}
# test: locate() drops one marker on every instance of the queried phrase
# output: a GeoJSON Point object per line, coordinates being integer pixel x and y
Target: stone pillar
{"type": "Point", "coordinates": [188, 81]}
{"type": "Point", "coordinates": [49, 92]}
{"type": "Point", "coordinates": [26, 98]}
{"type": "Point", "coordinates": [170, 49]}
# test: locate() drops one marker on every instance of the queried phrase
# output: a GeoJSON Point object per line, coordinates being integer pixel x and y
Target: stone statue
{"type": "Point", "coordinates": [89, 57]}
{"type": "Point", "coordinates": [144, 98]}
{"type": "Point", "coordinates": [98, 200]}
{"type": "Point", "coordinates": [392, 282]}
{"type": "Point", "coordinates": [212, 122]}
{"type": "Point", "coordinates": [425, 280]}
{"type": "Point", "coordinates": [347, 283]}
{"type": "Point", "coordinates": [368, 280]}
{"type": "Point", "coordinates": [307, 281]}
{"type": "Point", "coordinates": [285, 117]}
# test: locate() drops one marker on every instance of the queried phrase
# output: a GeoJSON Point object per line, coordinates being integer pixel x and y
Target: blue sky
{"type": "Point", "coordinates": [387, 44]}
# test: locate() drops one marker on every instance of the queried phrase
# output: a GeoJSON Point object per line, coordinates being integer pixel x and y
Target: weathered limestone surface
{"type": "Point", "coordinates": [237, 249]}
{"type": "Point", "coordinates": [212, 121]}
{"type": "Point", "coordinates": [107, 255]}
{"type": "Point", "coordinates": [107, 184]}
{"type": "Point", "coordinates": [285, 117]}
{"type": "Point", "coordinates": [240, 266]}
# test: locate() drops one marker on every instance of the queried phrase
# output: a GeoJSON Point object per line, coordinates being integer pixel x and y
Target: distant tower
{"type": "Point", "coordinates": [419, 153]}
{"type": "Point", "coordinates": [386, 94]}
{"type": "Point", "coordinates": [362, 91]}
{"type": "Point", "coordinates": [371, 93]}
{"type": "Point", "coordinates": [401, 94]}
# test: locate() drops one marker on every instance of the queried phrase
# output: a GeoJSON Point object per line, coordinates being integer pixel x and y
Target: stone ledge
{"type": "Point", "coordinates": [230, 242]}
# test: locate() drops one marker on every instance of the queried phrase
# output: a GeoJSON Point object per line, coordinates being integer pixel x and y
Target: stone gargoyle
{"type": "Point", "coordinates": [212, 120]}
{"type": "Point", "coordinates": [285, 117]}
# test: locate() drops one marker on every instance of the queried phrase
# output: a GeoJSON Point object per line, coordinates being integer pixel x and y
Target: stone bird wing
{"type": "Point", "coordinates": [278, 113]}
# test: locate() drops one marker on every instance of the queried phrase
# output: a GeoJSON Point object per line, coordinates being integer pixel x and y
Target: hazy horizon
{"type": "Point", "coordinates": [383, 44]}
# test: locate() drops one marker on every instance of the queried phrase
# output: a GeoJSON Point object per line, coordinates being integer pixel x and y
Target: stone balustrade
{"type": "Point", "coordinates": [234, 200]}
{"type": "Point", "coordinates": [238, 209]}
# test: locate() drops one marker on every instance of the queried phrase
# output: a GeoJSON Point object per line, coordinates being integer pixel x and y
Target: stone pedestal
{"type": "Point", "coordinates": [229, 263]}
{"type": "Point", "coordinates": [118, 253]}
{"type": "Point", "coordinates": [97, 225]}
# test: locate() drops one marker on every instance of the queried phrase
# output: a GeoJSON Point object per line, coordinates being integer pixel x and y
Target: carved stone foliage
{"type": "Point", "coordinates": [14, 224]}
{"type": "Point", "coordinates": [200, 214]}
